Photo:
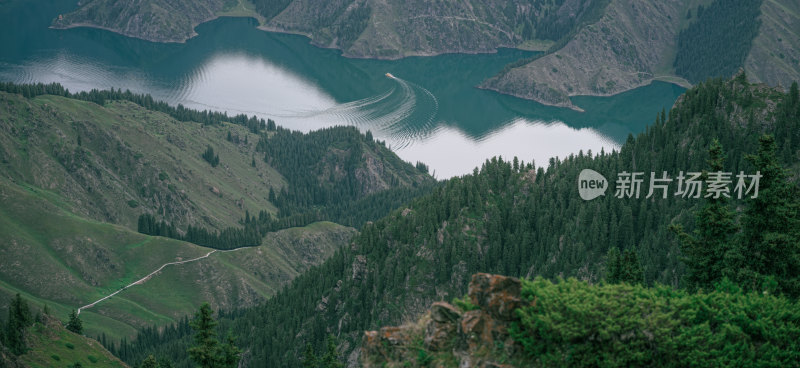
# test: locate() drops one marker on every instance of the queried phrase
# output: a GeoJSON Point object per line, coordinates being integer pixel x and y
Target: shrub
{"type": "Point", "coordinates": [573, 323]}
{"type": "Point", "coordinates": [465, 304]}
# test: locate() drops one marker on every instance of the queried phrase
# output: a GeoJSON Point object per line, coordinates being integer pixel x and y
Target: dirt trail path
{"type": "Point", "coordinates": [144, 279]}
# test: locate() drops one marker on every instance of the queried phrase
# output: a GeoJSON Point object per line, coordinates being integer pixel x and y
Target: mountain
{"type": "Point", "coordinates": [628, 47]}
{"type": "Point", "coordinates": [517, 219]}
{"type": "Point", "coordinates": [114, 162]}
{"type": "Point", "coordinates": [636, 42]}
{"type": "Point", "coordinates": [394, 29]}
{"type": "Point", "coordinates": [80, 173]}
{"type": "Point", "coordinates": [121, 155]}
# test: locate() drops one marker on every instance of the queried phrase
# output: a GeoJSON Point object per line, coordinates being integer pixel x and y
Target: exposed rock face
{"type": "Point", "coordinates": [466, 335]}
{"type": "Point", "coordinates": [498, 295]}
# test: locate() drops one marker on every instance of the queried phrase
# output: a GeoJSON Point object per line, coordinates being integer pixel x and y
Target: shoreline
{"type": "Point", "coordinates": [673, 79]}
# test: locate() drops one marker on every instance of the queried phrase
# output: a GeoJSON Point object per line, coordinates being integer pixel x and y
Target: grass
{"type": "Point", "coordinates": [243, 8]}
{"type": "Point", "coordinates": [54, 257]}
{"type": "Point", "coordinates": [53, 346]}
{"type": "Point", "coordinates": [58, 200]}
{"type": "Point", "coordinates": [536, 45]}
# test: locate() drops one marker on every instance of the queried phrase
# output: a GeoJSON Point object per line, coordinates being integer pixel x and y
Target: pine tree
{"type": "Point", "coordinates": [331, 357]}
{"type": "Point", "coordinates": [613, 271]}
{"type": "Point", "coordinates": [230, 354]}
{"type": "Point", "coordinates": [75, 324]}
{"type": "Point", "coordinates": [624, 267]}
{"type": "Point", "coordinates": [207, 351]}
{"type": "Point", "coordinates": [19, 318]}
{"type": "Point", "coordinates": [631, 268]}
{"type": "Point", "coordinates": [769, 248]}
{"type": "Point", "coordinates": [706, 249]}
{"type": "Point", "coordinates": [150, 362]}
{"type": "Point", "coordinates": [309, 358]}
{"type": "Point", "coordinates": [204, 351]}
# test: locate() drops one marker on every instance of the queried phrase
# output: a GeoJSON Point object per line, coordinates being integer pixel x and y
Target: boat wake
{"type": "Point", "coordinates": [404, 113]}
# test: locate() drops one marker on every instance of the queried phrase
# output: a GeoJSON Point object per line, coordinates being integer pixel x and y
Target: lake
{"type": "Point", "coordinates": [429, 111]}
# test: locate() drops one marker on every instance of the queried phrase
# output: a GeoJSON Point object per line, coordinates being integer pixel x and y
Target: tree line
{"type": "Point", "coordinates": [100, 97]}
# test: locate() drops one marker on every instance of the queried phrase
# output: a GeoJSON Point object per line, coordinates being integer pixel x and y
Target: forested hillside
{"type": "Point", "coordinates": [514, 218]}
{"type": "Point", "coordinates": [718, 41]}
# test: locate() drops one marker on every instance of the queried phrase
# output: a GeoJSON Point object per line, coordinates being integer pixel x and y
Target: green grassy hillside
{"type": "Point", "coordinates": [51, 345]}
{"type": "Point", "coordinates": [53, 256]}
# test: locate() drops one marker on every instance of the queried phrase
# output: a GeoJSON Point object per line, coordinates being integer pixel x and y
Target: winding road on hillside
{"type": "Point", "coordinates": [144, 279]}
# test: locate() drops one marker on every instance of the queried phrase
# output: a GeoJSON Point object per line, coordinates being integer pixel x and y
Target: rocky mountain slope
{"type": "Point", "coordinates": [775, 56]}
{"type": "Point", "coordinates": [627, 48]}
{"type": "Point", "coordinates": [153, 20]}
{"type": "Point", "coordinates": [393, 29]}
{"type": "Point", "coordinates": [635, 42]}
{"type": "Point", "coordinates": [361, 28]}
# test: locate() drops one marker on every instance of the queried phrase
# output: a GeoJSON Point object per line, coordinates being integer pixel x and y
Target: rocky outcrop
{"type": "Point", "coordinates": [475, 335]}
